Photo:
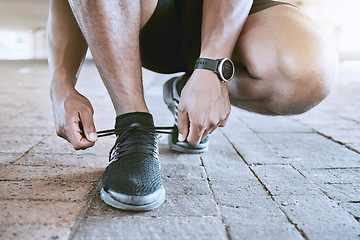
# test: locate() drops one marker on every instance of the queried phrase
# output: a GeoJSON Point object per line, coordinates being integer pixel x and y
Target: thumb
{"type": "Point", "coordinates": [88, 127]}
{"type": "Point", "coordinates": [183, 125]}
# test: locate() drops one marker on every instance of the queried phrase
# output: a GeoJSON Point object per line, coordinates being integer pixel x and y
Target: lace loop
{"type": "Point", "coordinates": [140, 142]}
{"type": "Point", "coordinates": [163, 130]}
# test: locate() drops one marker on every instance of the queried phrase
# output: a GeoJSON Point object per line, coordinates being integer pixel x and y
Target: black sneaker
{"type": "Point", "coordinates": [132, 180]}
{"type": "Point", "coordinates": [171, 96]}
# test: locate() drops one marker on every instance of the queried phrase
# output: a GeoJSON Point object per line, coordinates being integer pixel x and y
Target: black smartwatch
{"type": "Point", "coordinates": [224, 68]}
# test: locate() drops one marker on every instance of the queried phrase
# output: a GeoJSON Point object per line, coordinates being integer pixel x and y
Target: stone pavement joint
{"type": "Point", "coordinates": [226, 226]}
{"type": "Point", "coordinates": [334, 139]}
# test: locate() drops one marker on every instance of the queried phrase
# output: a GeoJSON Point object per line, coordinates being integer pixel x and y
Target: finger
{"type": "Point", "coordinates": [223, 123]}
{"type": "Point", "coordinates": [214, 128]}
{"type": "Point", "coordinates": [87, 121]}
{"type": "Point", "coordinates": [206, 132]}
{"type": "Point", "coordinates": [183, 125]}
{"type": "Point", "coordinates": [75, 136]}
{"type": "Point", "coordinates": [195, 134]}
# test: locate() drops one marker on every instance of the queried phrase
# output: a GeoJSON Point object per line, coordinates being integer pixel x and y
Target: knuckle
{"type": "Point", "coordinates": [212, 123]}
{"type": "Point", "coordinates": [181, 109]}
{"type": "Point", "coordinates": [196, 135]}
{"type": "Point", "coordinates": [85, 108]}
{"type": "Point", "coordinates": [199, 126]}
{"type": "Point", "coordinates": [61, 134]}
{"type": "Point", "coordinates": [78, 146]}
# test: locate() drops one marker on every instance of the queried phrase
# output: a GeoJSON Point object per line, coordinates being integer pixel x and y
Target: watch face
{"type": "Point", "coordinates": [227, 69]}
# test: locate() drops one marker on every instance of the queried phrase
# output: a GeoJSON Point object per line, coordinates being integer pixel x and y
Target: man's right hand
{"type": "Point", "coordinates": [73, 115]}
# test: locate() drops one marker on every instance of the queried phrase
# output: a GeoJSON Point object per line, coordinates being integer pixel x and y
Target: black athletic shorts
{"type": "Point", "coordinates": [170, 41]}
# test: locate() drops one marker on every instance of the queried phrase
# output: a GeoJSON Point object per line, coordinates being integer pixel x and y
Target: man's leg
{"type": "Point", "coordinates": [284, 65]}
{"type": "Point", "coordinates": [132, 180]}
{"type": "Point", "coordinates": [111, 29]}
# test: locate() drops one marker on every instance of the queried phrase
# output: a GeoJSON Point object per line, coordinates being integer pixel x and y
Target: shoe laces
{"type": "Point", "coordinates": [135, 139]}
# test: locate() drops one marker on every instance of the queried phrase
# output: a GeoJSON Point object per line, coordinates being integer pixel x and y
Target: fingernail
{"type": "Point", "coordinates": [181, 137]}
{"type": "Point", "coordinates": [92, 137]}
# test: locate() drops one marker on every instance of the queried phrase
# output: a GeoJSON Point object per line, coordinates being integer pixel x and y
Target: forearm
{"type": "Point", "coordinates": [66, 44]}
{"type": "Point", "coordinates": [221, 27]}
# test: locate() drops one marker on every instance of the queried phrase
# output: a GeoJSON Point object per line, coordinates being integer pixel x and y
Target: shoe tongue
{"type": "Point", "coordinates": [135, 118]}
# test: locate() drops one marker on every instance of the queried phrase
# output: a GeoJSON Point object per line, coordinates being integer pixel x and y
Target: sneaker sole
{"type": "Point", "coordinates": [178, 148]}
{"type": "Point", "coordinates": [134, 203]}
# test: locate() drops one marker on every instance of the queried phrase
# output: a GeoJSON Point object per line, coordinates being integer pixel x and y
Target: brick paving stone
{"type": "Point", "coordinates": [20, 131]}
{"type": "Point", "coordinates": [80, 160]}
{"type": "Point", "coordinates": [55, 145]}
{"type": "Point", "coordinates": [51, 190]}
{"type": "Point", "coordinates": [180, 171]}
{"type": "Point", "coordinates": [353, 208]}
{"type": "Point", "coordinates": [255, 210]}
{"type": "Point", "coordinates": [15, 144]}
{"type": "Point", "coordinates": [238, 133]}
{"type": "Point", "coordinates": [193, 186]}
{"type": "Point", "coordinates": [76, 174]}
{"type": "Point", "coordinates": [153, 228]}
{"type": "Point", "coordinates": [342, 192]}
{"type": "Point", "coordinates": [355, 146]}
{"type": "Point", "coordinates": [284, 180]}
{"type": "Point", "coordinates": [184, 179]}
{"type": "Point", "coordinates": [167, 156]}
{"type": "Point", "coordinates": [269, 231]}
{"type": "Point", "coordinates": [260, 218]}
{"type": "Point", "coordinates": [229, 177]}
{"type": "Point", "coordinates": [344, 136]}
{"type": "Point", "coordinates": [237, 192]}
{"type": "Point", "coordinates": [258, 154]}
{"type": "Point", "coordinates": [333, 175]}
{"type": "Point", "coordinates": [320, 162]}
{"type": "Point", "coordinates": [319, 217]}
{"type": "Point", "coordinates": [6, 158]}
{"type": "Point", "coordinates": [306, 145]}
{"type": "Point", "coordinates": [220, 167]}
{"type": "Point", "coordinates": [273, 124]}
{"type": "Point", "coordinates": [320, 120]}
{"type": "Point", "coordinates": [61, 214]}
{"type": "Point", "coordinates": [32, 120]}
{"type": "Point", "coordinates": [31, 232]}
{"type": "Point", "coordinates": [244, 203]}
{"type": "Point", "coordinates": [221, 160]}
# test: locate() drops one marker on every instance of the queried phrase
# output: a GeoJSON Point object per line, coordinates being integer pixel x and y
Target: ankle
{"type": "Point", "coordinates": [122, 111]}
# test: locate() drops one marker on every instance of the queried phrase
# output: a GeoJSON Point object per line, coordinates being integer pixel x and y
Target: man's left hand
{"type": "Point", "coordinates": [204, 106]}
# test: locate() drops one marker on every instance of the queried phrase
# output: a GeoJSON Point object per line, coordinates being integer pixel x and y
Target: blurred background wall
{"type": "Point", "coordinates": [23, 23]}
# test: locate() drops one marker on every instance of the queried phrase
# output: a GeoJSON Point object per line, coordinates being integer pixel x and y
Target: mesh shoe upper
{"type": "Point", "coordinates": [134, 167]}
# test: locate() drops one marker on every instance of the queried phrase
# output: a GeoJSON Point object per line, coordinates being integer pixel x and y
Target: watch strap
{"type": "Point", "coordinates": [206, 63]}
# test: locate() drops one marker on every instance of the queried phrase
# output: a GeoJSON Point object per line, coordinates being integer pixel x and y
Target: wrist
{"type": "Point", "coordinates": [223, 68]}
{"type": "Point", "coordinates": [213, 54]}
{"type": "Point", "coordinates": [216, 49]}
{"type": "Point", "coordinates": [60, 88]}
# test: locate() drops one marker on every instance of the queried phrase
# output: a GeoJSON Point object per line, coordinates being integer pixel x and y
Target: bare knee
{"type": "Point", "coordinates": [293, 68]}
{"type": "Point", "coordinates": [293, 86]}
{"type": "Point", "coordinates": [304, 82]}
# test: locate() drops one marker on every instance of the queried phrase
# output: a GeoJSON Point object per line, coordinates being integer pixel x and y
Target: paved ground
{"type": "Point", "coordinates": [263, 177]}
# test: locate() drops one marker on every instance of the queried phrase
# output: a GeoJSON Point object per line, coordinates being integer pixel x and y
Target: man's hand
{"type": "Point", "coordinates": [204, 106]}
{"type": "Point", "coordinates": [74, 119]}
